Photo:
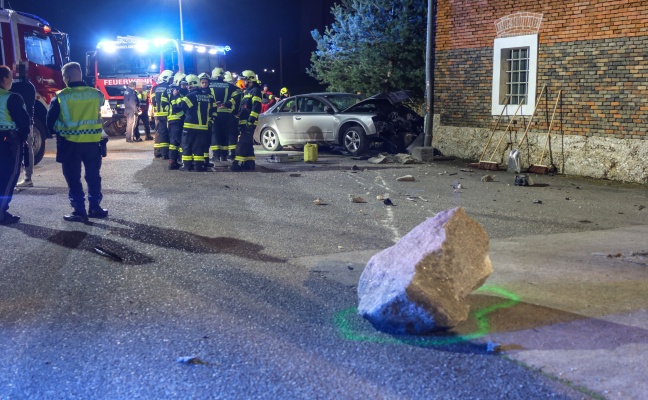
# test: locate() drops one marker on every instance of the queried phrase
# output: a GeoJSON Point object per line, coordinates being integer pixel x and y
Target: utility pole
{"type": "Point", "coordinates": [181, 29]}
{"type": "Point", "coordinates": [429, 71]}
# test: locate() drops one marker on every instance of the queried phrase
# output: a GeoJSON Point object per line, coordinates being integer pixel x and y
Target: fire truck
{"type": "Point", "coordinates": [28, 39]}
{"type": "Point", "coordinates": [115, 63]}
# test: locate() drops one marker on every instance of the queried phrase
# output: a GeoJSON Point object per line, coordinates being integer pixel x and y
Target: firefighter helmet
{"type": "Point", "coordinates": [203, 76]}
{"type": "Point", "coordinates": [249, 75]}
{"type": "Point", "coordinates": [217, 72]}
{"type": "Point", "coordinates": [193, 80]}
{"type": "Point", "coordinates": [227, 76]}
{"type": "Point", "coordinates": [178, 78]}
{"type": "Point", "coordinates": [165, 76]}
{"type": "Point", "coordinates": [284, 90]}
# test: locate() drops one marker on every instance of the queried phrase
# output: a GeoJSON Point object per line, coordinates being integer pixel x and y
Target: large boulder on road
{"type": "Point", "coordinates": [420, 284]}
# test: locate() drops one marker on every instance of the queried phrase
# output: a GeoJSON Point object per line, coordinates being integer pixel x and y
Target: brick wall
{"type": "Point", "coordinates": [595, 51]}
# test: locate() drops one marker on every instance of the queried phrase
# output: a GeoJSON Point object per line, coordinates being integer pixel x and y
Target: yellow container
{"type": "Point", "coordinates": [310, 152]}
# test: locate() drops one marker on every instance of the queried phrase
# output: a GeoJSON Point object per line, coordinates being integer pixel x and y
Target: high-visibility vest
{"type": "Point", "coordinates": [79, 119]}
{"type": "Point", "coordinates": [6, 122]}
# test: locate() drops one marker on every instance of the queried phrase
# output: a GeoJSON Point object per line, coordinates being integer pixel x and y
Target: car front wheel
{"type": "Point", "coordinates": [270, 140]}
{"type": "Point", "coordinates": [355, 140]}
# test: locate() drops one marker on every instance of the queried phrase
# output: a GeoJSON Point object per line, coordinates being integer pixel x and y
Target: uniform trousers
{"type": "Point", "coordinates": [161, 146]}
{"type": "Point", "coordinates": [10, 157]}
{"type": "Point", "coordinates": [73, 156]}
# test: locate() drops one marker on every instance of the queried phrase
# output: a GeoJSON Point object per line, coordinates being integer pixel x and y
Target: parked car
{"type": "Point", "coordinates": [339, 118]}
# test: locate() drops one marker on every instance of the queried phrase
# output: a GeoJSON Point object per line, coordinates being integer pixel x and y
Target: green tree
{"type": "Point", "coordinates": [372, 46]}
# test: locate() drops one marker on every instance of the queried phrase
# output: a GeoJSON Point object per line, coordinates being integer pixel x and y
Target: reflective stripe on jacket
{"type": "Point", "coordinates": [6, 122]}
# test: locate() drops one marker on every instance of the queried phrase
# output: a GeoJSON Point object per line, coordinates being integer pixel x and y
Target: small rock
{"type": "Point", "coordinates": [487, 178]}
{"type": "Point", "coordinates": [318, 202]}
{"type": "Point", "coordinates": [355, 168]}
{"type": "Point", "coordinates": [356, 199]}
{"type": "Point", "coordinates": [406, 178]}
{"type": "Point", "coordinates": [537, 201]}
{"type": "Point", "coordinates": [380, 197]}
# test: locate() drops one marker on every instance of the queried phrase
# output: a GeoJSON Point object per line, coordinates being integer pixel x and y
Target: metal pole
{"type": "Point", "coordinates": [281, 61]}
{"type": "Point", "coordinates": [429, 71]}
{"type": "Point", "coordinates": [181, 29]}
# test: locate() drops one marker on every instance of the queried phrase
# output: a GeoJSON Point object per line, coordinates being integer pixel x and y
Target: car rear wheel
{"type": "Point", "coordinates": [270, 140]}
{"type": "Point", "coordinates": [355, 140]}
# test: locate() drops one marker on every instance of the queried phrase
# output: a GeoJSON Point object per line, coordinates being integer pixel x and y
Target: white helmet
{"type": "Point", "coordinates": [165, 76]}
{"type": "Point", "coordinates": [193, 80]}
{"type": "Point", "coordinates": [177, 78]}
{"type": "Point", "coordinates": [227, 77]}
{"type": "Point", "coordinates": [217, 72]}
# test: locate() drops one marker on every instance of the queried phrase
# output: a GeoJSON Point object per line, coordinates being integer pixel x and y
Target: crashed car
{"type": "Point", "coordinates": [340, 119]}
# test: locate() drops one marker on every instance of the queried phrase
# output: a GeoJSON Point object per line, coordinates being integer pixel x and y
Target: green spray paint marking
{"type": "Point", "coordinates": [343, 322]}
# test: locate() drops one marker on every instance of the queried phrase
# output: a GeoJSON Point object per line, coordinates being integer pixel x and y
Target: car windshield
{"type": "Point", "coordinates": [343, 101]}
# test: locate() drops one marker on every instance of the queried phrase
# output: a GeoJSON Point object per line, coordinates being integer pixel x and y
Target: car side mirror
{"type": "Point", "coordinates": [329, 110]}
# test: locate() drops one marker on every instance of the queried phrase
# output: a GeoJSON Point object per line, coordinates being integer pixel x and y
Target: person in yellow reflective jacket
{"type": "Point", "coordinates": [227, 98]}
{"type": "Point", "coordinates": [248, 119]}
{"type": "Point", "coordinates": [15, 127]}
{"type": "Point", "coordinates": [197, 106]}
{"type": "Point", "coordinates": [161, 105]}
{"type": "Point", "coordinates": [73, 116]}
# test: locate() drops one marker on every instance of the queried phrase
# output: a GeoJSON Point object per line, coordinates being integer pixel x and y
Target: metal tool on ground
{"type": "Point", "coordinates": [476, 165]}
{"type": "Point", "coordinates": [539, 168]}
{"type": "Point", "coordinates": [514, 164]}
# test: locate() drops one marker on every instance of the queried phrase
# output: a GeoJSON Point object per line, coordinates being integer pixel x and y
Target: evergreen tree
{"type": "Point", "coordinates": [373, 46]}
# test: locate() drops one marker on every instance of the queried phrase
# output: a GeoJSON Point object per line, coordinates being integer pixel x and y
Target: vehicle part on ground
{"type": "Point", "coordinates": [115, 126]}
{"type": "Point", "coordinates": [355, 140]}
{"type": "Point", "coordinates": [270, 140]}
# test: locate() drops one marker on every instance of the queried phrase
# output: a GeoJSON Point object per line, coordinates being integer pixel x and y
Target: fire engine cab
{"type": "Point", "coordinates": [115, 63]}
{"type": "Point", "coordinates": [29, 39]}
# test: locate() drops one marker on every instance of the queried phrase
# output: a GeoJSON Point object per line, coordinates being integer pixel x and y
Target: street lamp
{"type": "Point", "coordinates": [181, 30]}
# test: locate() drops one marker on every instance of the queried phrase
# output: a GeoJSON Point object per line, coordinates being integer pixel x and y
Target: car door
{"type": "Point", "coordinates": [283, 117]}
{"type": "Point", "coordinates": [312, 123]}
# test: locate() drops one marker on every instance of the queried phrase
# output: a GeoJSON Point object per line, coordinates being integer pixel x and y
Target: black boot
{"type": "Point", "coordinates": [236, 167]}
{"type": "Point", "coordinates": [248, 165]}
{"type": "Point", "coordinates": [223, 155]}
{"type": "Point", "coordinates": [78, 213]}
{"type": "Point", "coordinates": [232, 155]}
{"type": "Point", "coordinates": [173, 164]}
{"type": "Point", "coordinates": [148, 137]}
{"type": "Point", "coordinates": [187, 166]}
{"type": "Point", "coordinates": [95, 211]}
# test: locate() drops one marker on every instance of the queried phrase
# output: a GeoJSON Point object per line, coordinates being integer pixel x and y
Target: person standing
{"type": "Point", "coordinates": [144, 98]}
{"type": "Point", "coordinates": [267, 99]}
{"type": "Point", "coordinates": [15, 125]}
{"type": "Point", "coordinates": [27, 91]}
{"type": "Point", "coordinates": [197, 106]}
{"type": "Point", "coordinates": [226, 96]}
{"type": "Point", "coordinates": [161, 105]}
{"type": "Point", "coordinates": [73, 116]}
{"type": "Point", "coordinates": [176, 119]}
{"type": "Point", "coordinates": [248, 119]}
{"type": "Point", "coordinates": [131, 108]}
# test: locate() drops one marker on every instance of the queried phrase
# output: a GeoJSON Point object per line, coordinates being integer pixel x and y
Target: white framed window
{"type": "Point", "coordinates": [515, 71]}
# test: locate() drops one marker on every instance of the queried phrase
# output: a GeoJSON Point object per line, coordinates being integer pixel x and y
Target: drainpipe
{"type": "Point", "coordinates": [429, 71]}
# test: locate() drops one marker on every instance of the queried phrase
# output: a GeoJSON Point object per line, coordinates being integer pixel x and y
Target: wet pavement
{"type": "Point", "coordinates": [244, 275]}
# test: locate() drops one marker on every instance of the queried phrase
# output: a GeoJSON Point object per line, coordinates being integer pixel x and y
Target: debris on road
{"type": "Point", "coordinates": [355, 168]}
{"type": "Point", "coordinates": [191, 360]}
{"type": "Point", "coordinates": [537, 201]}
{"type": "Point", "coordinates": [108, 254]}
{"type": "Point", "coordinates": [388, 202]}
{"type": "Point", "coordinates": [379, 159]}
{"type": "Point", "coordinates": [295, 175]}
{"type": "Point", "coordinates": [420, 284]}
{"type": "Point", "coordinates": [381, 197]}
{"type": "Point", "coordinates": [405, 158]}
{"type": "Point", "coordinates": [319, 202]}
{"type": "Point", "coordinates": [356, 199]}
{"type": "Point", "coordinates": [487, 178]}
{"type": "Point", "coordinates": [406, 178]}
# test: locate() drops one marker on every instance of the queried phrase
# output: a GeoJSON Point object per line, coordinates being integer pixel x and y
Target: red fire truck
{"type": "Point", "coordinates": [115, 63]}
{"type": "Point", "coordinates": [29, 39]}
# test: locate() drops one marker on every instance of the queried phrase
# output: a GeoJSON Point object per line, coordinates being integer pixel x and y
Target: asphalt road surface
{"type": "Point", "coordinates": [235, 285]}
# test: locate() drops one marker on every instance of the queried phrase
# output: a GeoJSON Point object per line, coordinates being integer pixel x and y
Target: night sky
{"type": "Point", "coordinates": [252, 28]}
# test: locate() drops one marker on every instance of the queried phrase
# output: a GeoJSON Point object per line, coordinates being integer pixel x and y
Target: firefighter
{"type": "Point", "coordinates": [248, 119]}
{"type": "Point", "coordinates": [15, 125]}
{"type": "Point", "coordinates": [197, 106]}
{"type": "Point", "coordinates": [284, 93]}
{"type": "Point", "coordinates": [144, 98]}
{"type": "Point", "coordinates": [227, 97]}
{"type": "Point", "coordinates": [74, 117]}
{"type": "Point", "coordinates": [161, 105]}
{"type": "Point", "coordinates": [176, 119]}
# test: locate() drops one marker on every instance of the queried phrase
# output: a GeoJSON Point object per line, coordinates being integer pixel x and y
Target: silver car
{"type": "Point", "coordinates": [327, 118]}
